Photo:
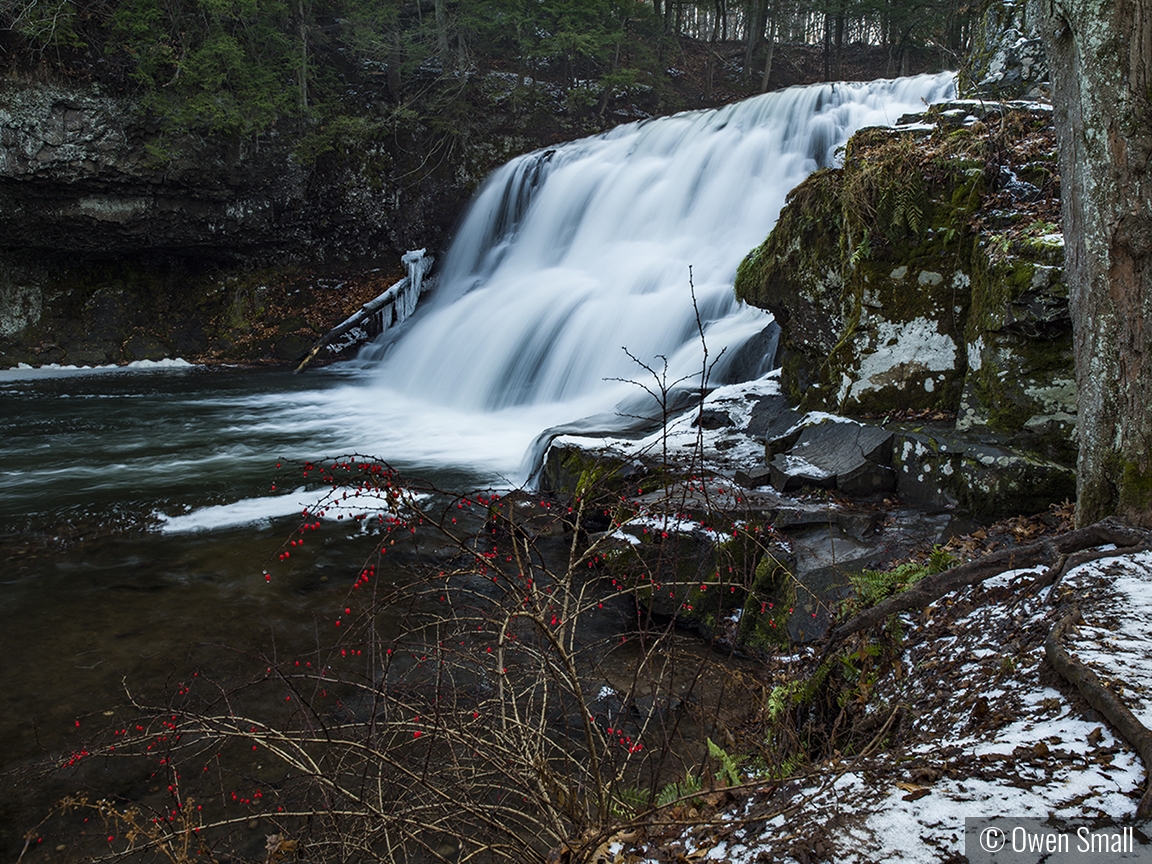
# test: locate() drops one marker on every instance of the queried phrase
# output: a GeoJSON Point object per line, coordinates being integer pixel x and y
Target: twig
{"type": "Point", "coordinates": [1048, 551]}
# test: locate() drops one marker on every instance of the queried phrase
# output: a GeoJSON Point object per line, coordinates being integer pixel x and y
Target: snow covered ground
{"type": "Point", "coordinates": [987, 729]}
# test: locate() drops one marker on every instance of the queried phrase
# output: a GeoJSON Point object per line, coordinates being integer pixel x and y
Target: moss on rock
{"type": "Point", "coordinates": [795, 275]}
{"type": "Point", "coordinates": [926, 274]}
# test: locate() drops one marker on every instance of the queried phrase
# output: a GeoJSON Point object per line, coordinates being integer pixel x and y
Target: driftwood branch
{"type": "Point", "coordinates": [1097, 695]}
{"type": "Point", "coordinates": [362, 315]}
{"type": "Point", "coordinates": [1053, 552]}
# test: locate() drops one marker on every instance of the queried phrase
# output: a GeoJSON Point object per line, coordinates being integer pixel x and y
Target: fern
{"type": "Point", "coordinates": [729, 767]}
{"type": "Point", "coordinates": [940, 559]}
{"type": "Point", "coordinates": [627, 801]}
{"type": "Point", "coordinates": [872, 586]}
{"type": "Point", "coordinates": [675, 791]}
{"type": "Point", "coordinates": [907, 210]}
{"type": "Point", "coordinates": [782, 698]}
{"type": "Point", "coordinates": [863, 250]}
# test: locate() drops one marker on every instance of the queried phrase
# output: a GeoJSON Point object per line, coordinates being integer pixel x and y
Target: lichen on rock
{"type": "Point", "coordinates": [926, 274]}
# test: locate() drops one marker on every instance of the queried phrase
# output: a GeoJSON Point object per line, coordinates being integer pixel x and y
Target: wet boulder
{"type": "Point", "coordinates": [833, 453]}
{"type": "Point", "coordinates": [712, 418]}
{"type": "Point", "coordinates": [926, 277]}
{"type": "Point", "coordinates": [983, 475]}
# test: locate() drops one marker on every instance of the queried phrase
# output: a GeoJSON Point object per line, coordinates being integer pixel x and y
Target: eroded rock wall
{"type": "Point", "coordinates": [118, 242]}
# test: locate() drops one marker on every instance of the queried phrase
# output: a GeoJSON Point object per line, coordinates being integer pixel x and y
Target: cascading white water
{"type": "Point", "coordinates": [566, 257]}
{"type": "Point", "coordinates": [569, 255]}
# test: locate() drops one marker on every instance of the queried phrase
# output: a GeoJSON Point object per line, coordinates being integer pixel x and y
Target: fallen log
{"type": "Point", "coordinates": [387, 310]}
{"type": "Point", "coordinates": [1097, 695]}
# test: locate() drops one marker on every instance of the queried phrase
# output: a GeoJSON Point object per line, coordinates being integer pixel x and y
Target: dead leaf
{"type": "Point", "coordinates": [926, 774]}
{"type": "Point", "coordinates": [278, 847]}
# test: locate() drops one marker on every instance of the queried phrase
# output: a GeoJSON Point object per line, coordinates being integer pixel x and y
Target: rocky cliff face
{"type": "Point", "coordinates": [1007, 58]}
{"type": "Point", "coordinates": [926, 276]}
{"type": "Point", "coordinates": [110, 230]}
{"type": "Point", "coordinates": [86, 172]}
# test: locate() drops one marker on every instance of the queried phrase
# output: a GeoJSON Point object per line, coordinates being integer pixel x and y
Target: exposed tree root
{"type": "Point", "coordinates": [1058, 553]}
{"type": "Point", "coordinates": [1103, 700]}
{"type": "Point", "coordinates": [1067, 563]}
{"type": "Point", "coordinates": [1061, 555]}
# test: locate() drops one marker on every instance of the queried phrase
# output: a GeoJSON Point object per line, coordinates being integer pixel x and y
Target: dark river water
{"type": "Point", "coordinates": [144, 516]}
{"type": "Point", "coordinates": [139, 515]}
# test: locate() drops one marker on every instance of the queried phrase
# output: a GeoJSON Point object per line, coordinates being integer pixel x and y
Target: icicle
{"type": "Point", "coordinates": [417, 264]}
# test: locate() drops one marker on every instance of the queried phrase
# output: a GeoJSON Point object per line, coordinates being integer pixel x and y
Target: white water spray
{"type": "Point", "coordinates": [569, 255]}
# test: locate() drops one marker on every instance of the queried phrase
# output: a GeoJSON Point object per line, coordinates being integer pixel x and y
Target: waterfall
{"type": "Point", "coordinates": [569, 255]}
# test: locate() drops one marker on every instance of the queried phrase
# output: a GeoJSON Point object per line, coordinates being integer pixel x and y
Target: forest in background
{"type": "Point", "coordinates": [238, 67]}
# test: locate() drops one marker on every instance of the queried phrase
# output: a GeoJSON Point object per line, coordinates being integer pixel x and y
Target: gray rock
{"type": "Point", "coordinates": [824, 561]}
{"type": "Point", "coordinates": [837, 446]}
{"type": "Point", "coordinates": [867, 478]}
{"type": "Point", "coordinates": [761, 475]}
{"type": "Point", "coordinates": [766, 412]}
{"type": "Point", "coordinates": [983, 475]}
{"type": "Point", "coordinates": [783, 434]}
{"type": "Point", "coordinates": [789, 473]}
{"type": "Point", "coordinates": [818, 594]}
{"type": "Point", "coordinates": [856, 455]}
{"type": "Point", "coordinates": [777, 422]}
{"type": "Point", "coordinates": [855, 524]}
{"type": "Point", "coordinates": [712, 418]}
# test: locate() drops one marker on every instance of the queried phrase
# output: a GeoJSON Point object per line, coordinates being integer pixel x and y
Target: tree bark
{"type": "Point", "coordinates": [303, 56]}
{"type": "Point", "coordinates": [442, 33]}
{"type": "Point", "coordinates": [768, 55]}
{"type": "Point", "coordinates": [754, 30]}
{"type": "Point", "coordinates": [839, 64]}
{"type": "Point", "coordinates": [827, 46]}
{"type": "Point", "coordinates": [1100, 59]}
{"type": "Point", "coordinates": [395, 61]}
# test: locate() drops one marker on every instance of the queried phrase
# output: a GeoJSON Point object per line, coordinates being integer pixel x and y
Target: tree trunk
{"type": "Point", "coordinates": [395, 60]}
{"type": "Point", "coordinates": [839, 64]}
{"type": "Point", "coordinates": [768, 55]}
{"type": "Point", "coordinates": [1100, 57]}
{"type": "Point", "coordinates": [303, 56]}
{"type": "Point", "coordinates": [442, 33]}
{"type": "Point", "coordinates": [827, 46]}
{"type": "Point", "coordinates": [753, 30]}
